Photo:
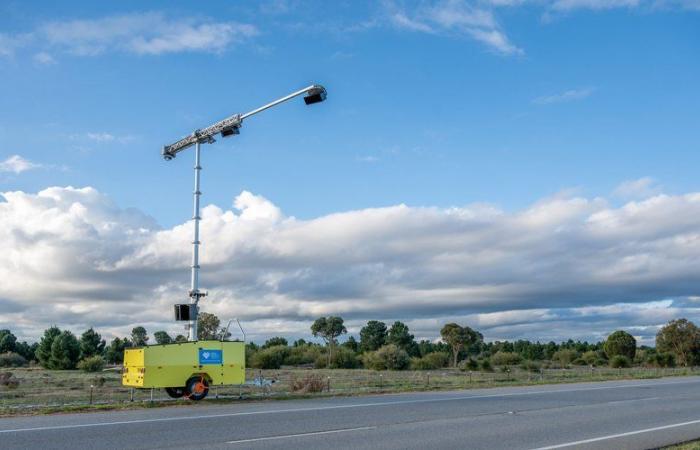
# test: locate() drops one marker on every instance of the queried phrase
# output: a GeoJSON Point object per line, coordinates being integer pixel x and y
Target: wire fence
{"type": "Point", "coordinates": [33, 388]}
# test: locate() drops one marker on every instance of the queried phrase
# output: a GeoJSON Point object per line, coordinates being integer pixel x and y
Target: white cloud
{"type": "Point", "coordinates": [143, 33]}
{"type": "Point", "coordinates": [555, 269]}
{"type": "Point", "coordinates": [635, 189]}
{"type": "Point", "coordinates": [566, 96]}
{"type": "Point", "coordinates": [454, 16]}
{"type": "Point", "coordinates": [44, 58]}
{"type": "Point", "coordinates": [568, 5]}
{"type": "Point", "coordinates": [17, 164]}
{"type": "Point", "coordinates": [100, 137]}
{"type": "Point", "coordinates": [150, 33]}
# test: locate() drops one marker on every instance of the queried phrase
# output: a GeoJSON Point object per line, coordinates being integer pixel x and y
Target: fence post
{"type": "Point", "coordinates": [381, 381]}
{"type": "Point", "coordinates": [131, 394]}
{"type": "Point", "coordinates": [91, 387]}
{"type": "Point", "coordinates": [470, 377]}
{"type": "Point", "coordinates": [427, 382]}
{"type": "Point", "coordinates": [329, 384]}
{"type": "Point", "coordinates": [151, 395]}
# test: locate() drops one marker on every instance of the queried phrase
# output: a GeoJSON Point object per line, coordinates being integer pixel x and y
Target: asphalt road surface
{"type": "Point", "coordinates": [638, 414]}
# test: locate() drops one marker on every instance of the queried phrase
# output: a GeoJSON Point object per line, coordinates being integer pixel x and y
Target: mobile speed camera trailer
{"type": "Point", "coordinates": [187, 369]}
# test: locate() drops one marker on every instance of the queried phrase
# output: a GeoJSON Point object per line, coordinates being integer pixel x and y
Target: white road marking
{"type": "Point", "coordinates": [614, 436]}
{"type": "Point", "coordinates": [286, 436]}
{"type": "Point", "coordinates": [332, 407]}
{"type": "Point", "coordinates": [617, 402]}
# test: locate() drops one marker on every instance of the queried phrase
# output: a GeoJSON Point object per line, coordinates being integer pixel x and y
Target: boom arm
{"type": "Point", "coordinates": [230, 125]}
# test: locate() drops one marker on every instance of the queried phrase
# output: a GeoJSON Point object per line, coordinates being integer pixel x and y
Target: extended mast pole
{"type": "Point", "coordinates": [195, 294]}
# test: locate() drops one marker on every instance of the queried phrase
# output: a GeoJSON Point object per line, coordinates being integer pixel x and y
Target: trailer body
{"type": "Point", "coordinates": [172, 365]}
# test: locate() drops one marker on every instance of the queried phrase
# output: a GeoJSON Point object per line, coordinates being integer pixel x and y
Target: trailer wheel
{"type": "Point", "coordinates": [175, 392]}
{"type": "Point", "coordinates": [196, 388]}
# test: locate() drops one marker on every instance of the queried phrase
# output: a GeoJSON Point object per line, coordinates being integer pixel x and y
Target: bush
{"type": "Point", "coordinates": [619, 361]}
{"type": "Point", "coordinates": [8, 380]}
{"type": "Point", "coordinates": [344, 358]}
{"type": "Point", "coordinates": [531, 366]}
{"type": "Point", "coordinates": [309, 383]}
{"type": "Point", "coordinates": [269, 358]}
{"type": "Point", "coordinates": [430, 361]}
{"type": "Point", "coordinates": [303, 354]}
{"type": "Point", "coordinates": [389, 357]}
{"type": "Point", "coordinates": [12, 359]}
{"type": "Point", "coordinates": [92, 364]}
{"type": "Point", "coordinates": [485, 365]}
{"type": "Point", "coordinates": [468, 364]}
{"type": "Point", "coordinates": [662, 360]}
{"type": "Point", "coordinates": [590, 357]}
{"type": "Point", "coordinates": [565, 356]}
{"type": "Point", "coordinates": [501, 358]}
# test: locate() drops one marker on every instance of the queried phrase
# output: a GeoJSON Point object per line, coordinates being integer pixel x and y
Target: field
{"type": "Point", "coordinates": [36, 390]}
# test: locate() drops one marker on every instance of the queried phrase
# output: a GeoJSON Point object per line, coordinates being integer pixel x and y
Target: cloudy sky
{"type": "Point", "coordinates": [527, 168]}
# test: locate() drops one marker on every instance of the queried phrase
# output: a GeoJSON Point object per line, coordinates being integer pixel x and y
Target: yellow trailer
{"type": "Point", "coordinates": [185, 369]}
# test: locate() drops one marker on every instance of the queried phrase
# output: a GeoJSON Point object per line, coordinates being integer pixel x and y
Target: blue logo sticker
{"type": "Point", "coordinates": [207, 356]}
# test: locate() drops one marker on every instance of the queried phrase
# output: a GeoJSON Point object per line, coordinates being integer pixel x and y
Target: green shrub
{"type": "Point", "coordinates": [564, 356]}
{"type": "Point", "coordinates": [344, 358]}
{"type": "Point", "coordinates": [303, 354]}
{"type": "Point", "coordinates": [501, 358]}
{"type": "Point", "coordinates": [579, 362]}
{"type": "Point", "coordinates": [92, 364]}
{"type": "Point", "coordinates": [269, 358]}
{"type": "Point", "coordinates": [431, 361]}
{"type": "Point", "coordinates": [12, 359]}
{"type": "Point", "coordinates": [388, 357]}
{"type": "Point", "coordinates": [590, 357]}
{"type": "Point", "coordinates": [619, 361]}
{"type": "Point", "coordinates": [468, 364]}
{"type": "Point", "coordinates": [662, 360]}
{"type": "Point", "coordinates": [531, 366]}
{"type": "Point", "coordinates": [485, 365]}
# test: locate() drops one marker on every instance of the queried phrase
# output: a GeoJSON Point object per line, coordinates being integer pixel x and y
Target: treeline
{"type": "Point", "coordinates": [379, 346]}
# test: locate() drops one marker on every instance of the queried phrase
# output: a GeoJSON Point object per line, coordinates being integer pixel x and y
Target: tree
{"type": "Point", "coordinates": [682, 338]}
{"type": "Point", "coordinates": [620, 343]}
{"type": "Point", "coordinates": [114, 353]}
{"type": "Point", "coordinates": [373, 336]}
{"type": "Point", "coordinates": [139, 336]}
{"type": "Point", "coordinates": [328, 328]}
{"type": "Point", "coordinates": [399, 336]}
{"type": "Point", "coordinates": [275, 341]}
{"type": "Point", "coordinates": [208, 327]}
{"type": "Point", "coordinates": [458, 337]}
{"type": "Point", "coordinates": [91, 344]}
{"type": "Point", "coordinates": [180, 338]}
{"type": "Point", "coordinates": [8, 341]}
{"type": "Point", "coordinates": [43, 351]}
{"type": "Point", "coordinates": [65, 351]}
{"type": "Point", "coordinates": [352, 344]}
{"type": "Point", "coordinates": [27, 351]}
{"type": "Point", "coordinates": [162, 337]}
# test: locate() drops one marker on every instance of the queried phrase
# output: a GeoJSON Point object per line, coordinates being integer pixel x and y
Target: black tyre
{"type": "Point", "coordinates": [196, 388]}
{"type": "Point", "coordinates": [175, 392]}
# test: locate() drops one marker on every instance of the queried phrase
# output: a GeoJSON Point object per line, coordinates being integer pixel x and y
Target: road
{"type": "Point", "coordinates": [636, 414]}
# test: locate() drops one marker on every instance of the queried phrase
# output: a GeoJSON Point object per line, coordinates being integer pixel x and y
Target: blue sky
{"type": "Point", "coordinates": [441, 105]}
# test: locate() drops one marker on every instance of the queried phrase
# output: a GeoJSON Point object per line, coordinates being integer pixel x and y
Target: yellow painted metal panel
{"type": "Point", "coordinates": [172, 365]}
